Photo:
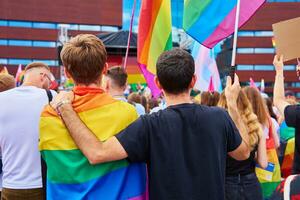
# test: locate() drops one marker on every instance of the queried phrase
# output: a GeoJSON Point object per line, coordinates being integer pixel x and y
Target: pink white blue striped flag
{"type": "Point", "coordinates": [210, 21]}
{"type": "Point", "coordinates": [205, 68]}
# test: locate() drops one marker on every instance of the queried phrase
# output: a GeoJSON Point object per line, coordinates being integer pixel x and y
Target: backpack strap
{"type": "Point", "coordinates": [43, 163]}
{"type": "Point", "coordinates": [50, 96]}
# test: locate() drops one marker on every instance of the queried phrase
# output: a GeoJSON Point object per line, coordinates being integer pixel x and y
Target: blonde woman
{"type": "Point", "coordinates": [241, 181]}
{"type": "Point", "coordinates": [272, 140]}
{"type": "Point", "coordinates": [260, 109]}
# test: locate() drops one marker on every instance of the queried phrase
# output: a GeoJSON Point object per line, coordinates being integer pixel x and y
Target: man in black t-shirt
{"type": "Point", "coordinates": [185, 145]}
{"type": "Point", "coordinates": [291, 112]}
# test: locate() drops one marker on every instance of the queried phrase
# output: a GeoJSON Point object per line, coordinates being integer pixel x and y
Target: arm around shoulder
{"type": "Point", "coordinates": [94, 150]}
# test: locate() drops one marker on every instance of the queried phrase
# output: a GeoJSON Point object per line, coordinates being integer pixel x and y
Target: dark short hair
{"type": "Point", "coordinates": [289, 93]}
{"type": "Point", "coordinates": [175, 69]}
{"type": "Point", "coordinates": [118, 75]}
{"type": "Point", "coordinates": [84, 57]}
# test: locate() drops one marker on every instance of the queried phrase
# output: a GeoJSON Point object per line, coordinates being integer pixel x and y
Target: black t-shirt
{"type": "Point", "coordinates": [241, 167]}
{"type": "Point", "coordinates": [292, 119]}
{"type": "Point", "coordinates": [185, 147]}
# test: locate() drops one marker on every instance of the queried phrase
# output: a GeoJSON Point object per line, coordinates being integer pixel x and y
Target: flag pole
{"type": "Point", "coordinates": [236, 27]}
{"type": "Point", "coordinates": [129, 35]}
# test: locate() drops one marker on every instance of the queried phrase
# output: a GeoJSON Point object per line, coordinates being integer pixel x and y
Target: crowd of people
{"type": "Point", "coordinates": [95, 142]}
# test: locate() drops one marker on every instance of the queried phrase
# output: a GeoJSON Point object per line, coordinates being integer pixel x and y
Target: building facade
{"type": "Point", "coordinates": [29, 30]}
{"type": "Point", "coordinates": [255, 50]}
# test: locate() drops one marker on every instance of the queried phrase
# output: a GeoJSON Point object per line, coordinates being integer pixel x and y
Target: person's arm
{"type": "Point", "coordinates": [94, 150]}
{"type": "Point", "coordinates": [279, 98]}
{"type": "Point", "coordinates": [262, 158]}
{"type": "Point", "coordinates": [231, 93]}
{"type": "Point", "coordinates": [275, 136]}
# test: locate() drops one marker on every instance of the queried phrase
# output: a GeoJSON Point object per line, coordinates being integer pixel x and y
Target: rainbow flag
{"type": "Point", "coordinates": [69, 175]}
{"type": "Point", "coordinates": [210, 21]}
{"type": "Point", "coordinates": [155, 37]}
{"type": "Point", "coordinates": [288, 158]}
{"type": "Point", "coordinates": [19, 76]}
{"type": "Point", "coordinates": [270, 180]}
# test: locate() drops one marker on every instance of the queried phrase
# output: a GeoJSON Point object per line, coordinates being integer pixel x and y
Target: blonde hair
{"type": "Point", "coordinates": [6, 82]}
{"type": "Point", "coordinates": [249, 118]}
{"type": "Point", "coordinates": [258, 105]}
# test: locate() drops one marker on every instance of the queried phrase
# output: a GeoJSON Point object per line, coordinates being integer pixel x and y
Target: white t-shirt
{"type": "Point", "coordinates": [19, 136]}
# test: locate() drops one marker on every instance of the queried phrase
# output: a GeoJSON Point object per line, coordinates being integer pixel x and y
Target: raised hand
{"type": "Point", "coordinates": [278, 63]}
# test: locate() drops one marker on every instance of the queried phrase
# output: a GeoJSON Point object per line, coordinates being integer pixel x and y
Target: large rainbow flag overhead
{"type": "Point", "coordinates": [69, 175]}
{"type": "Point", "coordinates": [155, 36]}
{"type": "Point", "coordinates": [210, 21]}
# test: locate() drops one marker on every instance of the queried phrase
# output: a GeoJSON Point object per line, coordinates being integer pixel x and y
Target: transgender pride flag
{"type": "Point", "coordinates": [205, 68]}
{"type": "Point", "coordinates": [210, 21]}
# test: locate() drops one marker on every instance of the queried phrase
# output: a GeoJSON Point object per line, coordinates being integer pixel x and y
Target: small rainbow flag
{"type": "Point", "coordinates": [155, 37]}
{"type": "Point", "coordinates": [210, 21]}
{"type": "Point", "coordinates": [19, 76]}
{"type": "Point", "coordinates": [70, 176]}
{"type": "Point", "coordinates": [288, 159]}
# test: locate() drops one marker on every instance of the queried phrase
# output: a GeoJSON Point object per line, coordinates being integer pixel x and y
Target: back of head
{"type": "Point", "coordinates": [175, 69]}
{"type": "Point", "coordinates": [84, 58]}
{"type": "Point", "coordinates": [37, 74]}
{"type": "Point", "coordinates": [210, 98]}
{"type": "Point", "coordinates": [258, 104]}
{"type": "Point", "coordinates": [118, 77]}
{"type": "Point", "coordinates": [290, 97]}
{"type": "Point", "coordinates": [6, 82]}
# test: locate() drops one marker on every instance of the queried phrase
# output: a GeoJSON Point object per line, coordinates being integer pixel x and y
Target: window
{"type": "Point", "coordinates": [264, 67]}
{"type": "Point", "coordinates": [109, 28]}
{"type": "Point", "coordinates": [20, 43]}
{"type": "Point", "coordinates": [69, 26]}
{"type": "Point", "coordinates": [246, 33]}
{"type": "Point", "coordinates": [3, 42]}
{"type": "Point", "coordinates": [245, 50]}
{"type": "Point", "coordinates": [3, 23]}
{"type": "Point", "coordinates": [89, 28]}
{"type": "Point", "coordinates": [263, 33]}
{"type": "Point", "coordinates": [48, 62]}
{"type": "Point", "coordinates": [3, 61]}
{"type": "Point", "coordinates": [244, 67]}
{"type": "Point", "coordinates": [44, 25]}
{"type": "Point", "coordinates": [255, 33]}
{"type": "Point", "coordinates": [290, 67]}
{"type": "Point", "coordinates": [20, 24]}
{"type": "Point", "coordinates": [19, 61]}
{"type": "Point", "coordinates": [44, 44]}
{"type": "Point", "coordinates": [48, 25]}
{"type": "Point", "coordinates": [264, 50]}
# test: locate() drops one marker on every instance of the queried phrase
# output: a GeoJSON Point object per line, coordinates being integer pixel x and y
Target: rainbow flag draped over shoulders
{"type": "Point", "coordinates": [210, 21]}
{"type": "Point", "coordinates": [154, 37]}
{"type": "Point", "coordinates": [69, 175]}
